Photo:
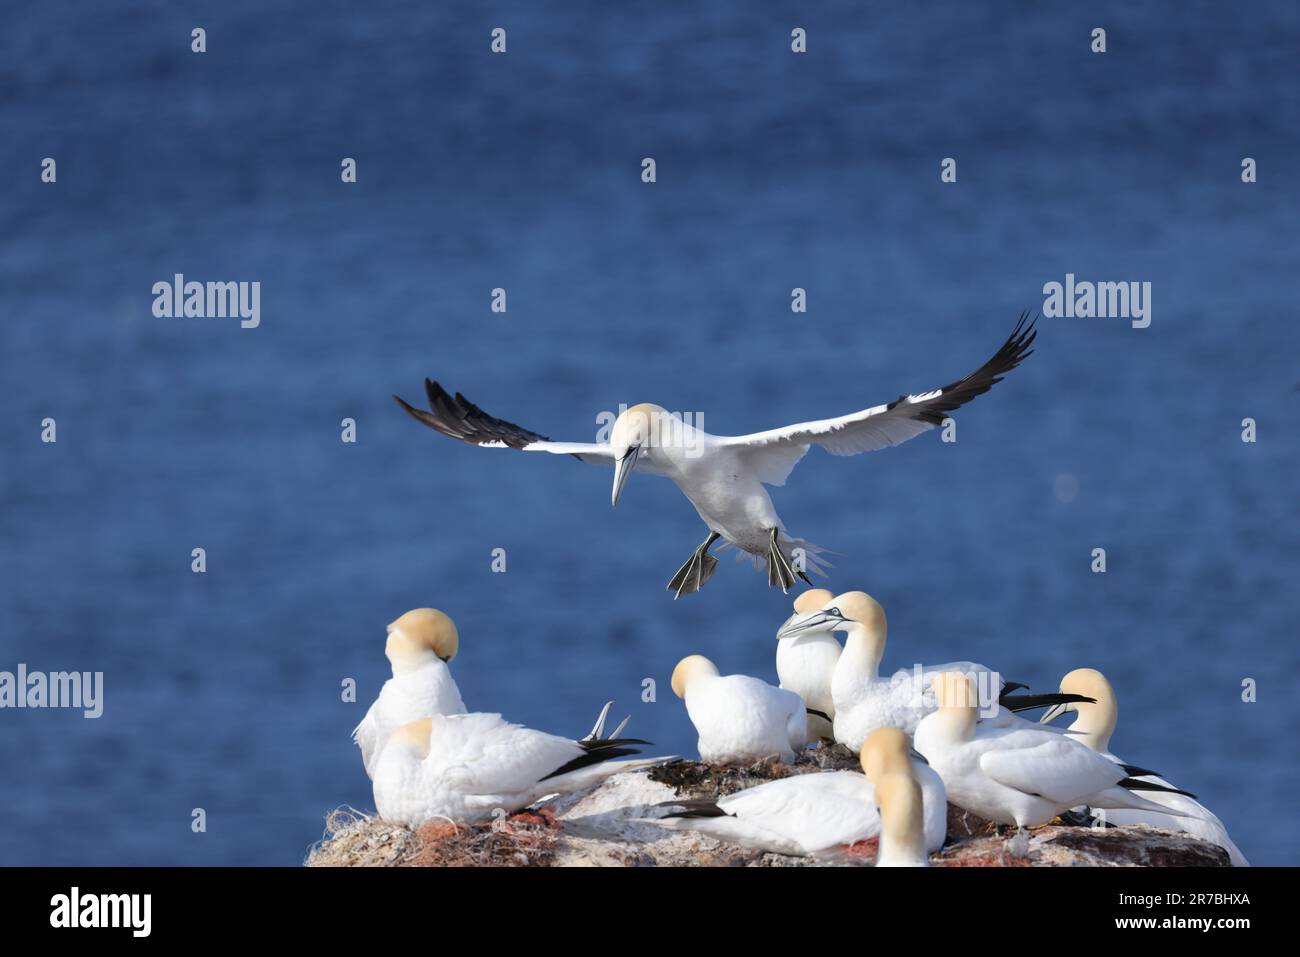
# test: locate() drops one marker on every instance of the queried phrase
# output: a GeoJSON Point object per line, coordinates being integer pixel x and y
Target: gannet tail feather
{"type": "Point", "coordinates": [1135, 784]}
{"type": "Point", "coordinates": [1133, 771]}
{"type": "Point", "coordinates": [589, 758]}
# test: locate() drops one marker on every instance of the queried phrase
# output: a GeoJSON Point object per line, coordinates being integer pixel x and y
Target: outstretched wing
{"type": "Point", "coordinates": [457, 417]}
{"type": "Point", "coordinates": [773, 454]}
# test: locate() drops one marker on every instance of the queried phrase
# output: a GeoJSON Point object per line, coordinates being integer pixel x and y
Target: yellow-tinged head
{"type": "Point", "coordinates": [418, 635]}
{"type": "Point", "coordinates": [954, 690]}
{"type": "Point", "coordinates": [416, 736]}
{"type": "Point", "coordinates": [886, 750]}
{"type": "Point", "coordinates": [1096, 719]}
{"type": "Point", "coordinates": [811, 600]}
{"type": "Point", "coordinates": [635, 432]}
{"type": "Point", "coordinates": [689, 669]}
{"type": "Point", "coordinates": [852, 611]}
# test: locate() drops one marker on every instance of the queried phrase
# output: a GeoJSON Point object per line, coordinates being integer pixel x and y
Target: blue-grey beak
{"type": "Point", "coordinates": [622, 469]}
{"type": "Point", "coordinates": [814, 621]}
{"type": "Point", "coordinates": [1052, 713]}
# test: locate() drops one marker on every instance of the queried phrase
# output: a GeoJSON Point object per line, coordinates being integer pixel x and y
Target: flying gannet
{"type": "Point", "coordinates": [420, 645]}
{"type": "Point", "coordinates": [1017, 775]}
{"type": "Point", "coordinates": [465, 768]}
{"type": "Point", "coordinates": [820, 814]}
{"type": "Point", "coordinates": [739, 718]}
{"type": "Point", "coordinates": [862, 700]}
{"type": "Point", "coordinates": [804, 664]}
{"type": "Point", "coordinates": [724, 476]}
{"type": "Point", "coordinates": [1093, 725]}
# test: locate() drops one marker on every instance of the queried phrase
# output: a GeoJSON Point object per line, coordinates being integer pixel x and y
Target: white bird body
{"type": "Point", "coordinates": [814, 815]}
{"type": "Point", "coordinates": [1013, 775]}
{"type": "Point", "coordinates": [1094, 724]}
{"type": "Point", "coordinates": [466, 768]}
{"type": "Point", "coordinates": [865, 701]}
{"type": "Point", "coordinates": [738, 718]}
{"type": "Point", "coordinates": [805, 663]}
{"type": "Point", "coordinates": [862, 701]}
{"type": "Point", "coordinates": [724, 477]}
{"type": "Point", "coordinates": [1192, 816]}
{"type": "Point", "coordinates": [404, 698]}
{"type": "Point", "coordinates": [419, 646]}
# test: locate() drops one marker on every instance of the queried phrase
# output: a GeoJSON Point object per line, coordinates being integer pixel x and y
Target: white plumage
{"type": "Point", "coordinates": [862, 700]}
{"type": "Point", "coordinates": [739, 718]}
{"type": "Point", "coordinates": [805, 663]}
{"type": "Point", "coordinates": [1093, 726]}
{"type": "Point", "coordinates": [467, 767]}
{"type": "Point", "coordinates": [724, 476]}
{"type": "Point", "coordinates": [404, 698]}
{"type": "Point", "coordinates": [817, 814]}
{"type": "Point", "coordinates": [419, 645]}
{"type": "Point", "coordinates": [1018, 775]}
{"type": "Point", "coordinates": [813, 814]}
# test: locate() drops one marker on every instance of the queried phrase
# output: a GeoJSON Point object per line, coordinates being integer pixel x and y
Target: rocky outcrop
{"type": "Point", "coordinates": [606, 827]}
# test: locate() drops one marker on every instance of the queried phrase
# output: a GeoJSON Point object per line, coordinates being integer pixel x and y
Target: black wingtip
{"type": "Point", "coordinates": [1133, 784]}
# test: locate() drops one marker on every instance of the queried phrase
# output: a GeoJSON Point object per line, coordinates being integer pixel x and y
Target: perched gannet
{"type": "Point", "coordinates": [1016, 775]}
{"type": "Point", "coordinates": [420, 645]}
{"type": "Point", "coordinates": [804, 664]}
{"type": "Point", "coordinates": [1093, 725]}
{"type": "Point", "coordinates": [822, 813]}
{"type": "Point", "coordinates": [465, 767]}
{"type": "Point", "coordinates": [739, 718]}
{"type": "Point", "coordinates": [861, 699]}
{"type": "Point", "coordinates": [722, 475]}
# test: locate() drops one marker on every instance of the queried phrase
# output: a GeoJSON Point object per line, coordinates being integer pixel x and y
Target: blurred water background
{"type": "Point", "coordinates": [522, 171]}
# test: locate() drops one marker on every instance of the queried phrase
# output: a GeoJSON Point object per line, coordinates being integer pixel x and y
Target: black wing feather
{"type": "Point", "coordinates": [956, 394]}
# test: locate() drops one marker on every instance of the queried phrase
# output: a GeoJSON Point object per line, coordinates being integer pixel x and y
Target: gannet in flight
{"type": "Point", "coordinates": [819, 814]}
{"type": "Point", "coordinates": [1093, 725]}
{"type": "Point", "coordinates": [739, 718]}
{"type": "Point", "coordinates": [724, 475]}
{"type": "Point", "coordinates": [420, 645]}
{"type": "Point", "coordinates": [1017, 775]}
{"type": "Point", "coordinates": [804, 664]}
{"type": "Point", "coordinates": [465, 767]}
{"type": "Point", "coordinates": [863, 701]}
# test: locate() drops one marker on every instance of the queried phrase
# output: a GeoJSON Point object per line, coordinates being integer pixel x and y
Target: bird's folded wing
{"type": "Point", "coordinates": [1058, 769]}
{"type": "Point", "coordinates": [458, 418]}
{"type": "Point", "coordinates": [817, 809]}
{"type": "Point", "coordinates": [775, 453]}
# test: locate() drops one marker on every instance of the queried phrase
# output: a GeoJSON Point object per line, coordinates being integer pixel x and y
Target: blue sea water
{"type": "Point", "coordinates": [522, 171]}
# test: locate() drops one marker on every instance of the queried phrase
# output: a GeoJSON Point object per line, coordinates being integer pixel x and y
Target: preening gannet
{"type": "Point", "coordinates": [804, 664]}
{"type": "Point", "coordinates": [1016, 775]}
{"type": "Point", "coordinates": [724, 475]}
{"type": "Point", "coordinates": [864, 701]}
{"type": "Point", "coordinates": [1093, 725]}
{"type": "Point", "coordinates": [420, 645]}
{"type": "Point", "coordinates": [739, 718]}
{"type": "Point", "coordinates": [465, 767]}
{"type": "Point", "coordinates": [821, 813]}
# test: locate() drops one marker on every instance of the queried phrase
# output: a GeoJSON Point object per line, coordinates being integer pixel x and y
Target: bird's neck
{"type": "Point", "coordinates": [902, 825]}
{"type": "Point", "coordinates": [859, 661]}
{"type": "Point", "coordinates": [1094, 727]}
{"type": "Point", "coordinates": [410, 664]}
{"type": "Point", "coordinates": [957, 725]}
